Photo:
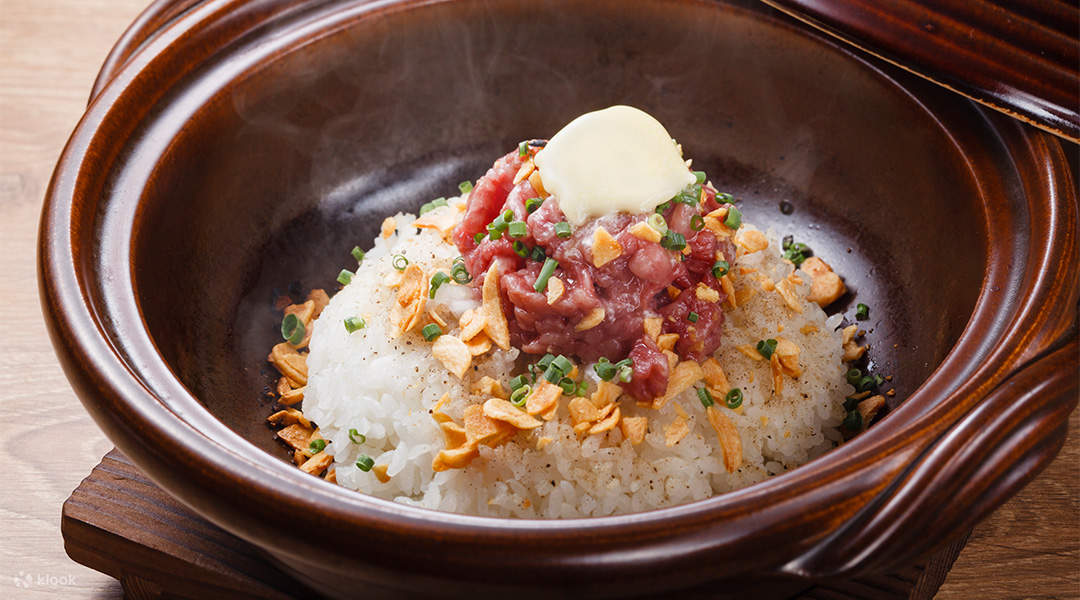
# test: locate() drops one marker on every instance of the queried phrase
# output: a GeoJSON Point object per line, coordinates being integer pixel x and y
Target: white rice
{"type": "Point", "coordinates": [384, 387]}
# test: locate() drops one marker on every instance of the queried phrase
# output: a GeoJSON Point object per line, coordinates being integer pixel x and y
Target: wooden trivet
{"type": "Point", "coordinates": [118, 522]}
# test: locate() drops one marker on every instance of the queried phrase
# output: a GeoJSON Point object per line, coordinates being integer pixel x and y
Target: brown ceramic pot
{"type": "Point", "coordinates": [235, 146]}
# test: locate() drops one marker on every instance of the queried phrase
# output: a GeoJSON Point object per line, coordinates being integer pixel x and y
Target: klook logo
{"type": "Point", "coordinates": [27, 580]}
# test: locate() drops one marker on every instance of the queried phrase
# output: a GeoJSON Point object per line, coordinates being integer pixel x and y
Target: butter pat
{"type": "Point", "coordinates": [619, 159]}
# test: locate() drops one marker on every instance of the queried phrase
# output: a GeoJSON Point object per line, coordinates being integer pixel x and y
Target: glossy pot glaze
{"type": "Point", "coordinates": [1018, 57]}
{"type": "Point", "coordinates": [238, 146]}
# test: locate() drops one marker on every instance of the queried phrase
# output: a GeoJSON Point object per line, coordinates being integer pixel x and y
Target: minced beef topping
{"type": "Point", "coordinates": [646, 279]}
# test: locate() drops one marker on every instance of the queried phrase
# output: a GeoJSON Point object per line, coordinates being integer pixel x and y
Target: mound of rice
{"type": "Point", "coordinates": [383, 387]}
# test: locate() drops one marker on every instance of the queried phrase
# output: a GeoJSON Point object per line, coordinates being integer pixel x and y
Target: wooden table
{"type": "Point", "coordinates": [50, 51]}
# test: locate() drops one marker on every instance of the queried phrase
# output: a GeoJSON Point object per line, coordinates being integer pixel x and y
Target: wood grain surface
{"type": "Point", "coordinates": [50, 51]}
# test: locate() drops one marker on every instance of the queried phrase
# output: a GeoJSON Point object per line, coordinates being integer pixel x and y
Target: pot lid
{"type": "Point", "coordinates": [1021, 57]}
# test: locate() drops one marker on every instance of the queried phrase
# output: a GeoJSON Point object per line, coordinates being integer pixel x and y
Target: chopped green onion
{"type": "Point", "coordinates": [725, 198]}
{"type": "Point", "coordinates": [517, 229]}
{"type": "Point", "coordinates": [459, 272]}
{"type": "Point", "coordinates": [364, 462]}
{"type": "Point", "coordinates": [733, 399]}
{"type": "Point", "coordinates": [692, 317]}
{"type": "Point", "coordinates": [430, 206]}
{"type": "Point", "coordinates": [853, 421]}
{"type": "Point", "coordinates": [657, 222]}
{"type": "Point", "coordinates": [532, 204]}
{"type": "Point", "coordinates": [786, 241]}
{"type": "Point", "coordinates": [479, 237]}
{"type": "Point", "coordinates": [569, 386]}
{"type": "Point", "coordinates": [523, 148]}
{"type": "Point", "coordinates": [521, 249]}
{"type": "Point", "coordinates": [498, 226]}
{"type": "Point", "coordinates": [673, 241]}
{"type": "Point", "coordinates": [562, 229]}
{"type": "Point", "coordinates": [689, 196]}
{"type": "Point", "coordinates": [550, 264]}
{"type": "Point", "coordinates": [699, 176]}
{"type": "Point", "coordinates": [720, 268]}
{"type": "Point", "coordinates": [400, 262]}
{"type": "Point", "coordinates": [518, 381]}
{"type": "Point", "coordinates": [465, 187]}
{"type": "Point", "coordinates": [562, 363]}
{"type": "Point", "coordinates": [538, 254]}
{"type": "Point", "coordinates": [624, 370]}
{"type": "Point", "coordinates": [853, 376]}
{"type": "Point", "coordinates": [662, 207]}
{"type": "Point", "coordinates": [317, 446]}
{"type": "Point", "coordinates": [697, 223]}
{"type": "Point", "coordinates": [850, 403]}
{"type": "Point", "coordinates": [553, 374]}
{"type": "Point", "coordinates": [353, 324]}
{"type": "Point", "coordinates": [344, 277]}
{"type": "Point", "coordinates": [358, 254]}
{"type": "Point", "coordinates": [733, 218]}
{"type": "Point", "coordinates": [582, 388]}
{"type": "Point", "coordinates": [866, 383]}
{"type": "Point", "coordinates": [604, 369]}
{"type": "Point", "coordinates": [519, 395]}
{"type": "Point", "coordinates": [356, 437]}
{"type": "Point", "coordinates": [705, 397]}
{"type": "Point", "coordinates": [431, 331]}
{"type": "Point", "coordinates": [292, 329]}
{"type": "Point", "coordinates": [795, 252]}
{"type": "Point", "coordinates": [766, 347]}
{"type": "Point", "coordinates": [862, 312]}
{"type": "Point", "coordinates": [437, 280]}
{"type": "Point", "coordinates": [544, 362]}
{"type": "Point", "coordinates": [797, 257]}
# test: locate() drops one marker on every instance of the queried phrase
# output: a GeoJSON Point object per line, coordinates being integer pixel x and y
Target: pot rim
{"type": "Point", "coordinates": [158, 434]}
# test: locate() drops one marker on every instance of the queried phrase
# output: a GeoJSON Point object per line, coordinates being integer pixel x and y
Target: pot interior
{"type": "Point", "coordinates": [277, 174]}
